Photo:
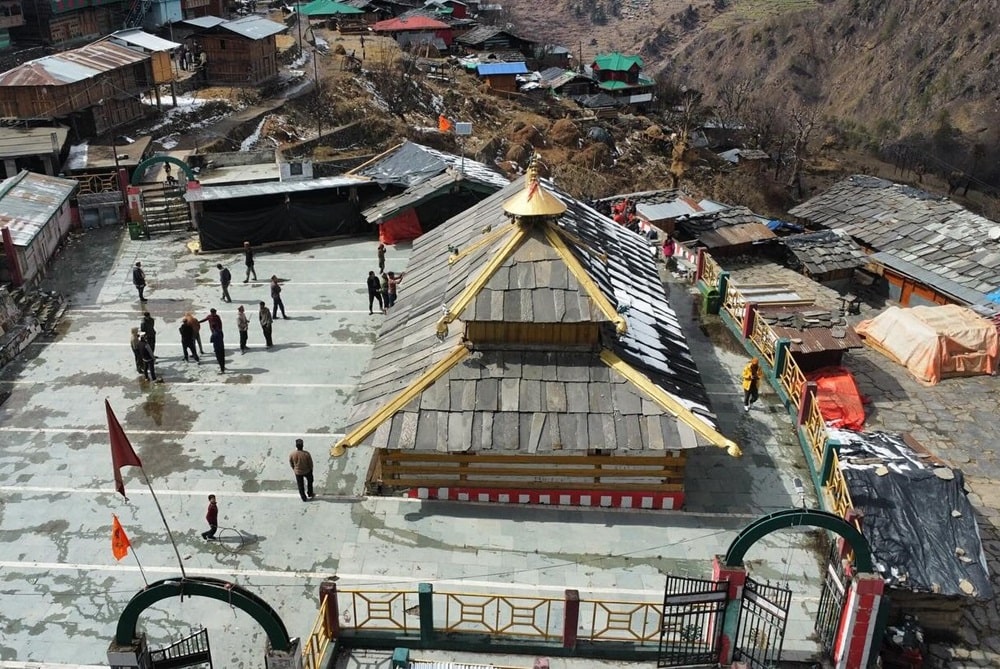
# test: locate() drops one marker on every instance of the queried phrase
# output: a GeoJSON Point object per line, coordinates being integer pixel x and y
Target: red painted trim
{"type": "Point", "coordinates": [598, 498]}
{"type": "Point", "coordinates": [571, 619]}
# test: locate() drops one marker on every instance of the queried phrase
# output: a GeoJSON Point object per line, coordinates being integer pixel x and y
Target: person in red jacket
{"type": "Point", "coordinates": [212, 516]}
{"type": "Point", "coordinates": [214, 321]}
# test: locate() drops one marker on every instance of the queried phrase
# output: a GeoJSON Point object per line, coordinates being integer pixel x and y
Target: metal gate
{"type": "Point", "coordinates": [191, 651]}
{"type": "Point", "coordinates": [691, 627]}
{"type": "Point", "coordinates": [761, 630]}
{"type": "Point", "coordinates": [831, 601]}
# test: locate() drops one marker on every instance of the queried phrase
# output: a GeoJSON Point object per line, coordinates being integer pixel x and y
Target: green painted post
{"type": "Point", "coordinates": [782, 349]}
{"type": "Point", "coordinates": [723, 285]}
{"type": "Point", "coordinates": [425, 601]}
{"type": "Point", "coordinates": [829, 448]}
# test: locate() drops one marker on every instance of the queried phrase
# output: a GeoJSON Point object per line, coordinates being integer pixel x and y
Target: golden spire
{"type": "Point", "coordinates": [534, 201]}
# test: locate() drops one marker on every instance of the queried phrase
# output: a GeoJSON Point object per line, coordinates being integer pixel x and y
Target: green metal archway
{"type": "Point", "coordinates": [212, 588]}
{"type": "Point", "coordinates": [779, 520]}
{"type": "Point", "coordinates": [141, 168]}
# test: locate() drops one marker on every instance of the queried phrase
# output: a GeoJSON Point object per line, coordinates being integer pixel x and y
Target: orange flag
{"type": "Point", "coordinates": [119, 540]}
{"type": "Point", "coordinates": [444, 125]}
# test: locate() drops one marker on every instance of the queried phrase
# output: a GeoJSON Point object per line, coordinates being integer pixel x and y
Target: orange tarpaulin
{"type": "Point", "coordinates": [402, 228]}
{"type": "Point", "coordinates": [840, 402]}
{"type": "Point", "coordinates": [934, 343]}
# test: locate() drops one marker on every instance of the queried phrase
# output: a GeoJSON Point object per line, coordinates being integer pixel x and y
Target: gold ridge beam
{"type": "Point", "coordinates": [479, 243]}
{"type": "Point", "coordinates": [669, 403]}
{"type": "Point", "coordinates": [417, 386]}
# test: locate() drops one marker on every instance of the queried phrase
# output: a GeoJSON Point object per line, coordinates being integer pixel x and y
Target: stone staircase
{"type": "Point", "coordinates": [164, 209]}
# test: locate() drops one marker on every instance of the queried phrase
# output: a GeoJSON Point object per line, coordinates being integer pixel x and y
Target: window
{"type": "Point", "coordinates": [222, 44]}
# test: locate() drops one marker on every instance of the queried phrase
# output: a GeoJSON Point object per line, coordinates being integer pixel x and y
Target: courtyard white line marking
{"type": "Point", "coordinates": [97, 344]}
{"type": "Point", "coordinates": [4, 664]}
{"type": "Point", "coordinates": [180, 433]}
{"type": "Point", "coordinates": [98, 309]}
{"type": "Point", "coordinates": [221, 384]}
{"type": "Point", "coordinates": [13, 489]}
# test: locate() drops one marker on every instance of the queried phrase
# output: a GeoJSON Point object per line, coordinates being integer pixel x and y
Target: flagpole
{"type": "Point", "coordinates": [141, 571]}
{"type": "Point", "coordinates": [170, 534]}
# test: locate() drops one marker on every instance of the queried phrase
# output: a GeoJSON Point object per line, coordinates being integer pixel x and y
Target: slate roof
{"type": "Point", "coordinates": [28, 201]}
{"type": "Point", "coordinates": [481, 34]}
{"type": "Point", "coordinates": [503, 397]}
{"type": "Point", "coordinates": [732, 226]}
{"type": "Point", "coordinates": [948, 243]}
{"type": "Point", "coordinates": [825, 251]}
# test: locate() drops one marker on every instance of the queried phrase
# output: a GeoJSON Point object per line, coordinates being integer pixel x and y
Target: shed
{"type": "Point", "coordinates": [819, 338]}
{"type": "Point", "coordinates": [917, 517]}
{"type": "Point", "coordinates": [241, 52]}
{"type": "Point", "coordinates": [159, 51]}
{"type": "Point", "coordinates": [532, 357]}
{"type": "Point", "coordinates": [725, 232]}
{"type": "Point", "coordinates": [501, 76]}
{"type": "Point", "coordinates": [37, 149]}
{"type": "Point", "coordinates": [35, 216]}
{"type": "Point", "coordinates": [826, 256]}
{"type": "Point", "coordinates": [279, 211]}
{"type": "Point", "coordinates": [493, 38]}
{"type": "Point", "coordinates": [415, 30]}
{"type": "Point", "coordinates": [424, 187]}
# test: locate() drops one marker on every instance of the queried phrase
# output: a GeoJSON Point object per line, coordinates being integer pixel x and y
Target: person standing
{"type": "Point", "coordinates": [148, 327]}
{"type": "Point", "coordinates": [139, 280]}
{"type": "Point", "coordinates": [187, 341]}
{"type": "Point", "coordinates": [276, 298]}
{"type": "Point", "coordinates": [140, 366]}
{"type": "Point", "coordinates": [248, 261]}
{"type": "Point", "coordinates": [195, 330]}
{"type": "Point", "coordinates": [265, 324]}
{"type": "Point", "coordinates": [751, 379]}
{"type": "Point", "coordinates": [374, 293]}
{"type": "Point", "coordinates": [381, 258]}
{"type": "Point", "coordinates": [220, 349]}
{"type": "Point", "coordinates": [393, 283]}
{"type": "Point", "coordinates": [242, 325]}
{"type": "Point", "coordinates": [148, 359]}
{"type": "Point", "coordinates": [302, 466]}
{"type": "Point", "coordinates": [214, 320]}
{"type": "Point", "coordinates": [384, 281]}
{"type": "Point", "coordinates": [212, 517]}
{"type": "Point", "coordinates": [225, 278]}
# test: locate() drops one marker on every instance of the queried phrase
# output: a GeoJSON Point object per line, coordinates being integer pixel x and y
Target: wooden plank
{"type": "Point", "coordinates": [605, 460]}
{"type": "Point", "coordinates": [546, 485]}
{"type": "Point", "coordinates": [498, 472]}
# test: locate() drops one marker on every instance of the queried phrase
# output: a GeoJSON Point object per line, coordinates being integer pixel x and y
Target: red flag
{"type": "Point", "coordinates": [122, 454]}
{"type": "Point", "coordinates": [444, 125]}
{"type": "Point", "coordinates": [119, 540]}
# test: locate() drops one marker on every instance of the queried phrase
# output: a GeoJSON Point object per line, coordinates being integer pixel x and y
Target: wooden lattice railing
{"type": "Point", "coordinates": [735, 304]}
{"type": "Point", "coordinates": [764, 339]}
{"type": "Point", "coordinates": [710, 271]}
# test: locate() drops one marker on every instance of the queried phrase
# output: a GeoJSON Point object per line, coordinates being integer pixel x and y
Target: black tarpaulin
{"type": "Point", "coordinates": [917, 516]}
{"type": "Point", "coordinates": [267, 219]}
{"type": "Point", "coordinates": [408, 165]}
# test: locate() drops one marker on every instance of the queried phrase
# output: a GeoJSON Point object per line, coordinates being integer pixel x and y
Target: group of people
{"type": "Point", "coordinates": [190, 58]}
{"type": "Point", "coordinates": [143, 340]}
{"type": "Point", "coordinates": [301, 463]}
{"type": "Point", "coordinates": [382, 287]}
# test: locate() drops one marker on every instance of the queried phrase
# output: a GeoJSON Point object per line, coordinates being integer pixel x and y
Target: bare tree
{"type": "Point", "coordinates": [803, 121]}
{"type": "Point", "coordinates": [733, 98]}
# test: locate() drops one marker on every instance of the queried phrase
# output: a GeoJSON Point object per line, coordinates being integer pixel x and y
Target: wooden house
{"type": "Point", "coordinates": [35, 217]}
{"type": "Point", "coordinates": [532, 357]}
{"type": "Point", "coordinates": [193, 9]}
{"type": "Point", "coordinates": [63, 23]}
{"type": "Point", "coordinates": [501, 76]}
{"type": "Point", "coordinates": [241, 52]}
{"type": "Point", "coordinates": [619, 75]}
{"type": "Point", "coordinates": [492, 38]}
{"type": "Point", "coordinates": [11, 16]}
{"type": "Point", "coordinates": [453, 8]}
{"type": "Point", "coordinates": [92, 88]}
{"type": "Point", "coordinates": [416, 30]}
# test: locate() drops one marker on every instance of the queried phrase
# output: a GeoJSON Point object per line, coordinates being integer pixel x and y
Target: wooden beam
{"type": "Point", "coordinates": [630, 486]}
{"type": "Point", "coordinates": [624, 460]}
{"type": "Point", "coordinates": [487, 238]}
{"type": "Point", "coordinates": [388, 470]}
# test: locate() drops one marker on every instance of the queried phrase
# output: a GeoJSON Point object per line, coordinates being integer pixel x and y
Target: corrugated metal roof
{"type": "Point", "coordinates": [204, 22]}
{"type": "Point", "coordinates": [29, 200]}
{"type": "Point", "coordinates": [47, 71]}
{"type": "Point", "coordinates": [103, 56]}
{"type": "Point", "coordinates": [253, 27]}
{"type": "Point", "coordinates": [31, 141]}
{"type": "Point", "coordinates": [402, 24]}
{"type": "Point", "coordinates": [490, 69]}
{"type": "Point", "coordinates": [140, 38]}
{"type": "Point", "coordinates": [411, 197]}
{"type": "Point", "coordinates": [410, 164]}
{"type": "Point", "coordinates": [681, 205]}
{"type": "Point", "coordinates": [617, 62]}
{"type": "Point", "coordinates": [210, 193]}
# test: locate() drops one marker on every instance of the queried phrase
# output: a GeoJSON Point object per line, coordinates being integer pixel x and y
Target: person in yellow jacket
{"type": "Point", "coordinates": [751, 378]}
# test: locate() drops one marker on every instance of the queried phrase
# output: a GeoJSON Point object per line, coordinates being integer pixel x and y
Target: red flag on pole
{"type": "Point", "coordinates": [122, 454]}
{"type": "Point", "coordinates": [119, 540]}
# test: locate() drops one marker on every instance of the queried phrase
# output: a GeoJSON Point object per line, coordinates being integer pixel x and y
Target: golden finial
{"type": "Point", "coordinates": [534, 201]}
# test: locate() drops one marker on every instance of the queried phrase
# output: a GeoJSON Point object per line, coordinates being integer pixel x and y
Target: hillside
{"type": "Point", "coordinates": [880, 70]}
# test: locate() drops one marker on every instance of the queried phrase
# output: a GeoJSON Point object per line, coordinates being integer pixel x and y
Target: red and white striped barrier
{"type": "Point", "coordinates": [609, 500]}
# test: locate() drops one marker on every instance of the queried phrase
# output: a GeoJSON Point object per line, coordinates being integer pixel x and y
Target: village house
{"type": "Point", "coordinates": [568, 83]}
{"type": "Point", "coordinates": [11, 16]}
{"type": "Point", "coordinates": [63, 23]}
{"type": "Point", "coordinates": [35, 216]}
{"type": "Point", "coordinates": [501, 76]}
{"type": "Point", "coordinates": [453, 8]}
{"type": "Point", "coordinates": [91, 89]}
{"type": "Point", "coordinates": [486, 39]}
{"type": "Point", "coordinates": [927, 249]}
{"type": "Point", "coordinates": [342, 16]}
{"type": "Point", "coordinates": [192, 9]}
{"type": "Point", "coordinates": [533, 358]}
{"type": "Point", "coordinates": [416, 30]}
{"type": "Point", "coordinates": [241, 52]}
{"type": "Point", "coordinates": [423, 188]}
{"type": "Point", "coordinates": [34, 148]}
{"type": "Point", "coordinates": [619, 75]}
